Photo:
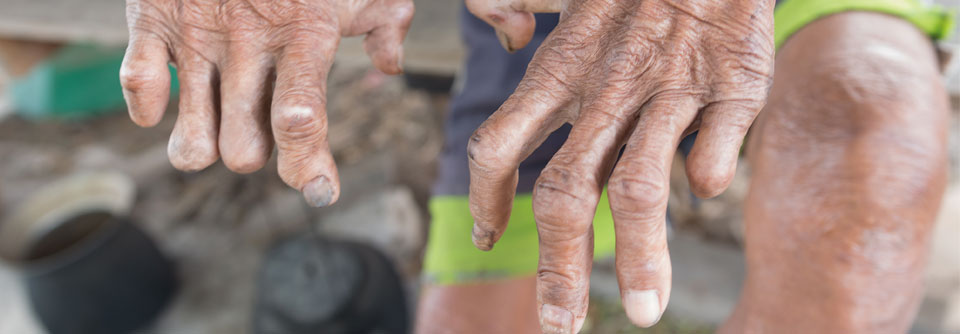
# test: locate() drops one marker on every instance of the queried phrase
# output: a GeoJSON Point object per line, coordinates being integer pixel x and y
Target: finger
{"type": "Point", "coordinates": [512, 19]}
{"type": "Point", "coordinates": [713, 160]}
{"type": "Point", "coordinates": [245, 140]}
{"type": "Point", "coordinates": [564, 203]}
{"type": "Point", "coordinates": [498, 146]}
{"type": "Point", "coordinates": [145, 78]}
{"type": "Point", "coordinates": [384, 44]}
{"type": "Point", "coordinates": [193, 143]}
{"type": "Point", "coordinates": [638, 191]}
{"type": "Point", "coordinates": [300, 123]}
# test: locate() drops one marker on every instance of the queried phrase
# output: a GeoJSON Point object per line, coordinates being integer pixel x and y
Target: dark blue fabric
{"type": "Point", "coordinates": [489, 77]}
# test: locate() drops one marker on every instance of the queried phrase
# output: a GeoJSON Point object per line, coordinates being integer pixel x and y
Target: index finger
{"type": "Point", "coordinates": [498, 146]}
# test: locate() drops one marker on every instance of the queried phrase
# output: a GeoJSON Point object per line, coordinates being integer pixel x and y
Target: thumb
{"type": "Point", "coordinates": [513, 19]}
{"type": "Point", "coordinates": [384, 44]}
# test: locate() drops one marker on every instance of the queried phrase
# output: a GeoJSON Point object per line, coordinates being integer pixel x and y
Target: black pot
{"type": "Point", "coordinates": [318, 285]}
{"type": "Point", "coordinates": [96, 273]}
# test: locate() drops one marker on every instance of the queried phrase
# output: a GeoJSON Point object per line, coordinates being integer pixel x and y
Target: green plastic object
{"type": "Point", "coordinates": [78, 81]}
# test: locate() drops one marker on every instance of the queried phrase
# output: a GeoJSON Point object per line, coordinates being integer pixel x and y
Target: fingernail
{"type": "Point", "coordinates": [643, 307]}
{"type": "Point", "coordinates": [481, 238]}
{"type": "Point", "coordinates": [318, 192]}
{"type": "Point", "coordinates": [555, 320]}
{"type": "Point", "coordinates": [505, 41]}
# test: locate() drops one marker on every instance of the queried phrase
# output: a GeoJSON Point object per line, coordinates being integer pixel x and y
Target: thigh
{"type": "Point", "coordinates": [848, 162]}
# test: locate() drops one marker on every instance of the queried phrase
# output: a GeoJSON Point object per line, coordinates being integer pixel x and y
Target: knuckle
{"type": "Point", "coordinates": [138, 77]}
{"type": "Point", "coordinates": [299, 125]}
{"type": "Point", "coordinates": [486, 153]}
{"type": "Point", "coordinates": [627, 61]}
{"type": "Point", "coordinates": [562, 195]}
{"type": "Point", "coordinates": [639, 193]}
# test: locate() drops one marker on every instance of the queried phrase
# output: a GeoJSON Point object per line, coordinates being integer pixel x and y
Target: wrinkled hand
{"type": "Point", "coordinates": [631, 74]}
{"type": "Point", "coordinates": [251, 72]}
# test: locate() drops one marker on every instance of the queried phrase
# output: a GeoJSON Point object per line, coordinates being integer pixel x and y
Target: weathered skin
{"type": "Point", "coordinates": [252, 72]}
{"type": "Point", "coordinates": [503, 306]}
{"type": "Point", "coordinates": [848, 158]}
{"type": "Point", "coordinates": [848, 165]}
{"type": "Point", "coordinates": [638, 74]}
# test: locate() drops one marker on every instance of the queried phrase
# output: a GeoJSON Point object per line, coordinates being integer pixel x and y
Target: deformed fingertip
{"type": "Point", "coordinates": [709, 181]}
{"type": "Point", "coordinates": [319, 192]}
{"type": "Point", "coordinates": [482, 239]}
{"type": "Point", "coordinates": [505, 41]}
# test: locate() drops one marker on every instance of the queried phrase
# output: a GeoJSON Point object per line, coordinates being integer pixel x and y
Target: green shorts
{"type": "Point", "coordinates": [491, 75]}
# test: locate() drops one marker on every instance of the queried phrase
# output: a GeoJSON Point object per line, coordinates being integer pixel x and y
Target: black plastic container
{"type": "Point", "coordinates": [96, 273]}
{"type": "Point", "coordinates": [309, 284]}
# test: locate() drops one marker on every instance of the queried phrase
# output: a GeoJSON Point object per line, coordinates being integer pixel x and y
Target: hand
{"type": "Point", "coordinates": [251, 72]}
{"type": "Point", "coordinates": [633, 74]}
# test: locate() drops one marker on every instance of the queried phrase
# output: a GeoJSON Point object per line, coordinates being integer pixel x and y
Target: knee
{"type": "Point", "coordinates": [836, 80]}
{"type": "Point", "coordinates": [848, 167]}
{"type": "Point", "coordinates": [873, 101]}
{"type": "Point", "coordinates": [854, 137]}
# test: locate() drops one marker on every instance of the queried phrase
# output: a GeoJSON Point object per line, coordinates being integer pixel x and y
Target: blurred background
{"type": "Point", "coordinates": [68, 148]}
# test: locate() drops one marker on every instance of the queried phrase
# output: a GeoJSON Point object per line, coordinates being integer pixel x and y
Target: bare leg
{"type": "Point", "coordinates": [507, 306]}
{"type": "Point", "coordinates": [849, 161]}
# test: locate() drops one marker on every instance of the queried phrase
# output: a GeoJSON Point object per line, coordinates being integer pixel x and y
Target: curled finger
{"type": "Point", "coordinates": [712, 163]}
{"type": "Point", "coordinates": [496, 149]}
{"type": "Point", "coordinates": [299, 121]}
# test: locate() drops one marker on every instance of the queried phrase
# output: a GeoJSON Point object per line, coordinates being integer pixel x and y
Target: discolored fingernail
{"type": "Point", "coordinates": [482, 239]}
{"type": "Point", "coordinates": [318, 192]}
{"type": "Point", "coordinates": [505, 41]}
{"type": "Point", "coordinates": [555, 320]}
{"type": "Point", "coordinates": [643, 307]}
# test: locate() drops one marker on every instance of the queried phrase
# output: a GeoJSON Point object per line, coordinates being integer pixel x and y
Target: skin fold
{"type": "Point", "coordinates": [636, 75]}
{"type": "Point", "coordinates": [252, 73]}
{"type": "Point", "coordinates": [848, 157]}
{"type": "Point", "coordinates": [848, 165]}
